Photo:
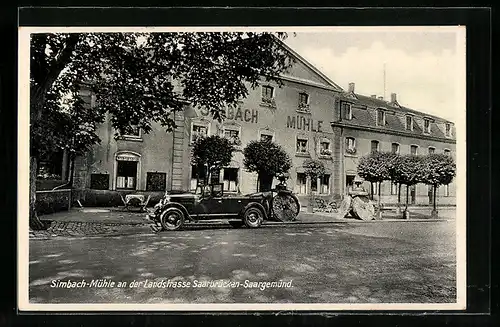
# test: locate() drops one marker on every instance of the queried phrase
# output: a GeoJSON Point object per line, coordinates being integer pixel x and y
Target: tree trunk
{"type": "Point", "coordinates": [34, 222]}
{"type": "Point", "coordinates": [379, 213]}
{"type": "Point", "coordinates": [266, 182]}
{"type": "Point", "coordinates": [434, 197]}
{"type": "Point", "coordinates": [398, 207]}
{"type": "Point", "coordinates": [407, 188]}
{"type": "Point", "coordinates": [258, 182]}
{"type": "Point", "coordinates": [371, 190]}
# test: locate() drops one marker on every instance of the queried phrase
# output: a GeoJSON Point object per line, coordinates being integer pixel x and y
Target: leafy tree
{"type": "Point", "coordinates": [133, 78]}
{"type": "Point", "coordinates": [376, 167]}
{"type": "Point", "coordinates": [409, 172]}
{"type": "Point", "coordinates": [438, 169]}
{"type": "Point", "coordinates": [212, 152]}
{"type": "Point", "coordinates": [314, 169]}
{"type": "Point", "coordinates": [268, 160]}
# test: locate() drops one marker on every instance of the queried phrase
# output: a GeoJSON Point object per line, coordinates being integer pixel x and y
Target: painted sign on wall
{"type": "Point", "coordinates": [303, 123]}
{"type": "Point", "coordinates": [244, 115]}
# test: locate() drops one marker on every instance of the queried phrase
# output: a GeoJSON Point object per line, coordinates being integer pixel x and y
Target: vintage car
{"type": "Point", "coordinates": [212, 204]}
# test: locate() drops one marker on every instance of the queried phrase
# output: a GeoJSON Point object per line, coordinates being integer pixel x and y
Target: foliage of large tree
{"type": "Point", "coordinates": [210, 154]}
{"type": "Point", "coordinates": [409, 172]}
{"type": "Point", "coordinates": [438, 169]}
{"type": "Point", "coordinates": [268, 160]}
{"type": "Point", "coordinates": [132, 77]}
{"type": "Point", "coordinates": [376, 167]}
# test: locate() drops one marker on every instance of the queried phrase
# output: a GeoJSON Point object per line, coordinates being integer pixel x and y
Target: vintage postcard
{"type": "Point", "coordinates": [255, 169]}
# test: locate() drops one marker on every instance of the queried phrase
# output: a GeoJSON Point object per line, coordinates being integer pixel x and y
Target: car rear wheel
{"type": "Point", "coordinates": [253, 217]}
{"type": "Point", "coordinates": [236, 223]}
{"type": "Point", "coordinates": [172, 219]}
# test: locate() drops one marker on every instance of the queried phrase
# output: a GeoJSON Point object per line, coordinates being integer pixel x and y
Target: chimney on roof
{"type": "Point", "coordinates": [351, 88]}
{"type": "Point", "coordinates": [381, 98]}
{"type": "Point", "coordinates": [393, 98]}
{"type": "Point", "coordinates": [374, 96]}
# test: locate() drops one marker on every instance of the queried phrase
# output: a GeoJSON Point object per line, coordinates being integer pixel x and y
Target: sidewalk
{"type": "Point", "coordinates": [117, 221]}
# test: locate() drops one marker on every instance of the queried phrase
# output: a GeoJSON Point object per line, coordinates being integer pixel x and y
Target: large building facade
{"type": "Point", "coordinates": [308, 115]}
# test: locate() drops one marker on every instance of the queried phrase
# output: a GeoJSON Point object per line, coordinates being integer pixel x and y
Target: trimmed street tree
{"type": "Point", "coordinates": [376, 167]}
{"type": "Point", "coordinates": [438, 169]}
{"type": "Point", "coordinates": [314, 169]}
{"type": "Point", "coordinates": [268, 160]}
{"type": "Point", "coordinates": [132, 77]}
{"type": "Point", "coordinates": [211, 153]}
{"type": "Point", "coordinates": [408, 171]}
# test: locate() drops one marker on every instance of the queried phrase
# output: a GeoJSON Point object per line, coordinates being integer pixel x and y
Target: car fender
{"type": "Point", "coordinates": [178, 206]}
{"type": "Point", "coordinates": [255, 204]}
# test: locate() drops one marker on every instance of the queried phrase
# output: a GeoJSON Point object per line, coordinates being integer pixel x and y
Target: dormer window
{"type": "Point", "coordinates": [380, 117]}
{"type": "Point", "coordinates": [346, 109]}
{"type": "Point", "coordinates": [448, 130]}
{"type": "Point", "coordinates": [427, 126]}
{"type": "Point", "coordinates": [409, 123]}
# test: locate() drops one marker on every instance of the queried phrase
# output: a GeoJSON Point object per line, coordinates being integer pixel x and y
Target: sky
{"type": "Point", "coordinates": [422, 66]}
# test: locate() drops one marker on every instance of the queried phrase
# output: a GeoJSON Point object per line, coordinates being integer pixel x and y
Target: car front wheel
{"type": "Point", "coordinates": [172, 219]}
{"type": "Point", "coordinates": [253, 217]}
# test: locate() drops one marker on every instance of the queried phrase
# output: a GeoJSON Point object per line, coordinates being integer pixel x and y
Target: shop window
{"type": "Point", "coordinates": [374, 146]}
{"type": "Point", "coordinates": [414, 149]}
{"type": "Point", "coordinates": [230, 179]}
{"type": "Point", "coordinates": [301, 184]}
{"type": "Point", "coordinates": [99, 181]}
{"type": "Point", "coordinates": [126, 175]}
{"type": "Point", "coordinates": [395, 148]}
{"type": "Point", "coordinates": [302, 145]}
{"type": "Point", "coordinates": [156, 181]}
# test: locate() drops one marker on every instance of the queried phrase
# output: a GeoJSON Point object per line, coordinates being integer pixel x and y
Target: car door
{"type": "Point", "coordinates": [209, 205]}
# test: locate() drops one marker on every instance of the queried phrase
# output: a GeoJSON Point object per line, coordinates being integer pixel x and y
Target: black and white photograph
{"type": "Point", "coordinates": [242, 168]}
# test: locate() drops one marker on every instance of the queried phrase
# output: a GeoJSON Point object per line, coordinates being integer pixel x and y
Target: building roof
{"type": "Point", "coordinates": [394, 117]}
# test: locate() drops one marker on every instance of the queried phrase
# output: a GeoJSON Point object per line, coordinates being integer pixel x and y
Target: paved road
{"type": "Point", "coordinates": [358, 263]}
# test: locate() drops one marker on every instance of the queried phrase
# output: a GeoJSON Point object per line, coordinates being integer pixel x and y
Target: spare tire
{"type": "Point", "coordinates": [363, 208]}
{"type": "Point", "coordinates": [285, 206]}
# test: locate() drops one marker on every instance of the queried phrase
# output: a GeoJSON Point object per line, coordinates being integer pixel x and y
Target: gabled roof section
{"type": "Point", "coordinates": [302, 65]}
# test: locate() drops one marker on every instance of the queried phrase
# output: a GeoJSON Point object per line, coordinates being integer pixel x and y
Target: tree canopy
{"type": "Point", "coordinates": [313, 168]}
{"type": "Point", "coordinates": [264, 157]}
{"type": "Point", "coordinates": [438, 169]}
{"type": "Point", "coordinates": [141, 78]}
{"type": "Point", "coordinates": [408, 170]}
{"type": "Point", "coordinates": [377, 166]}
{"type": "Point", "coordinates": [213, 152]}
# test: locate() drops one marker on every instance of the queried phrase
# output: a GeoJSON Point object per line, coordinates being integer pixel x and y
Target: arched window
{"type": "Point", "coordinates": [127, 170]}
{"type": "Point", "coordinates": [350, 145]}
{"type": "Point", "coordinates": [375, 146]}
